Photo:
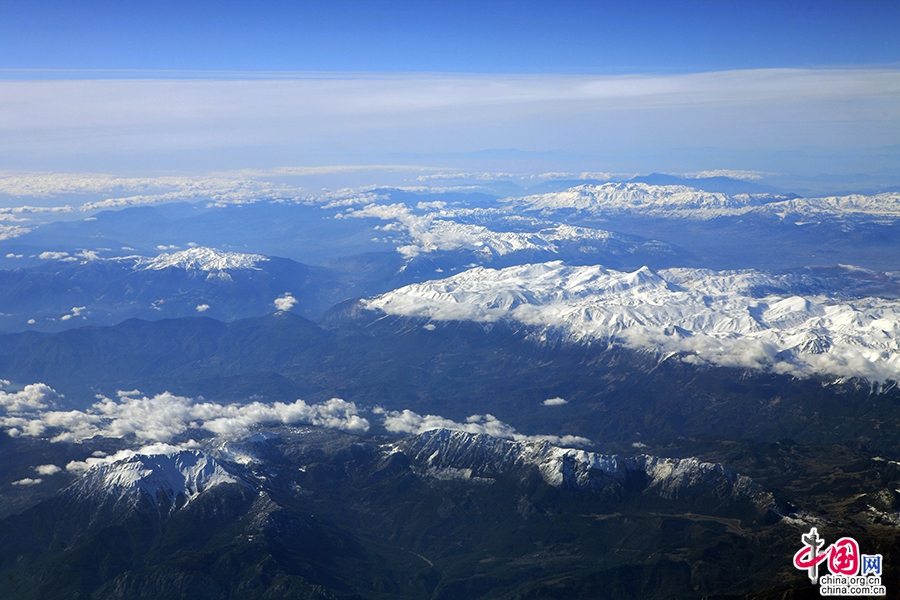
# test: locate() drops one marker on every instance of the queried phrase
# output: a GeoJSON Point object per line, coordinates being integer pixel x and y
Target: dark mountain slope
{"type": "Point", "coordinates": [454, 370]}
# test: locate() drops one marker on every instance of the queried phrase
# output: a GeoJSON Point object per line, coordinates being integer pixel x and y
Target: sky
{"type": "Point", "coordinates": [137, 88]}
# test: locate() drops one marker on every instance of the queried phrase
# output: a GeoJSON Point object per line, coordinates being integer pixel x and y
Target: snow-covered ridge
{"type": "Point", "coordinates": [642, 198]}
{"type": "Point", "coordinates": [449, 235]}
{"type": "Point", "coordinates": [442, 231]}
{"type": "Point", "coordinates": [746, 319]}
{"type": "Point", "coordinates": [446, 454]}
{"type": "Point", "coordinates": [174, 477]}
{"type": "Point", "coordinates": [675, 201]}
{"type": "Point", "coordinates": [201, 259]}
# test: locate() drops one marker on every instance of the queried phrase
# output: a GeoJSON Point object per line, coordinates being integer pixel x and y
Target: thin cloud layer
{"type": "Point", "coordinates": [376, 115]}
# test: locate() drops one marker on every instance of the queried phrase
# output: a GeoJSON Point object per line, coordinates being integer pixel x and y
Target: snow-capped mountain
{"type": "Point", "coordinates": [170, 479]}
{"type": "Point", "coordinates": [746, 319]}
{"type": "Point", "coordinates": [91, 290]}
{"type": "Point", "coordinates": [446, 454]}
{"type": "Point", "coordinates": [450, 235]}
{"type": "Point", "coordinates": [165, 481]}
{"type": "Point", "coordinates": [612, 199]}
{"type": "Point", "coordinates": [491, 234]}
{"type": "Point", "coordinates": [319, 514]}
{"type": "Point", "coordinates": [675, 201]}
{"type": "Point", "coordinates": [199, 259]}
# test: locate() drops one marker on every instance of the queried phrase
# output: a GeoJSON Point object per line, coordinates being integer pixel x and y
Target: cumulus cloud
{"type": "Point", "coordinates": [52, 255]}
{"type": "Point", "coordinates": [47, 469]}
{"type": "Point", "coordinates": [30, 398]}
{"type": "Point", "coordinates": [163, 417]}
{"type": "Point", "coordinates": [202, 307]}
{"type": "Point", "coordinates": [8, 232]}
{"type": "Point", "coordinates": [285, 302]}
{"type": "Point", "coordinates": [76, 311]}
{"type": "Point", "coordinates": [407, 421]}
{"type": "Point", "coordinates": [555, 401]}
{"type": "Point", "coordinates": [28, 481]}
{"type": "Point", "coordinates": [88, 254]}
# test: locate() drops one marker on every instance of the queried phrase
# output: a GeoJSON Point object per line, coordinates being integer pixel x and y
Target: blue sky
{"type": "Point", "coordinates": [461, 36]}
{"type": "Point", "coordinates": [123, 86]}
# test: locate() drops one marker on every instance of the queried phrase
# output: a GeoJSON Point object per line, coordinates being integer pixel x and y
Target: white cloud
{"type": "Point", "coordinates": [8, 232]}
{"type": "Point", "coordinates": [407, 421]}
{"type": "Point", "coordinates": [31, 398]}
{"type": "Point", "coordinates": [47, 469]}
{"type": "Point", "coordinates": [88, 255]}
{"type": "Point", "coordinates": [202, 307]}
{"type": "Point", "coordinates": [162, 417]}
{"type": "Point", "coordinates": [76, 311]}
{"type": "Point", "coordinates": [52, 255]}
{"type": "Point", "coordinates": [28, 481]}
{"type": "Point", "coordinates": [285, 302]}
{"type": "Point", "coordinates": [555, 401]}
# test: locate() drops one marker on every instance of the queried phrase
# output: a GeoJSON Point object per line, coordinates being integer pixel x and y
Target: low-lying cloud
{"type": "Point", "coordinates": [285, 302]}
{"type": "Point", "coordinates": [555, 401]}
{"type": "Point", "coordinates": [160, 418]}
{"type": "Point", "coordinates": [407, 421]}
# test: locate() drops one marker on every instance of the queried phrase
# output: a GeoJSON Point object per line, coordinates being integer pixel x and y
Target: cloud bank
{"type": "Point", "coordinates": [161, 418]}
{"type": "Point", "coordinates": [379, 114]}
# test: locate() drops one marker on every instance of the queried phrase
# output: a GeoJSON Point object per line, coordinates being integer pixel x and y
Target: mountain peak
{"type": "Point", "coordinates": [201, 259]}
{"type": "Point", "coordinates": [481, 458]}
{"type": "Point", "coordinates": [165, 480]}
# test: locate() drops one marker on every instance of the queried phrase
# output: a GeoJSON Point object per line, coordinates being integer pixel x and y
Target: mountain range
{"type": "Point", "coordinates": [319, 514]}
{"type": "Point", "coordinates": [632, 389]}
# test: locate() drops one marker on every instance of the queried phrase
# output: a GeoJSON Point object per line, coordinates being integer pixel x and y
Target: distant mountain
{"type": "Point", "coordinates": [306, 513]}
{"type": "Point", "coordinates": [684, 202]}
{"type": "Point", "coordinates": [797, 324]}
{"type": "Point", "coordinates": [720, 184]}
{"type": "Point", "coordinates": [619, 389]}
{"type": "Point", "coordinates": [448, 455]}
{"type": "Point", "coordinates": [226, 285]}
